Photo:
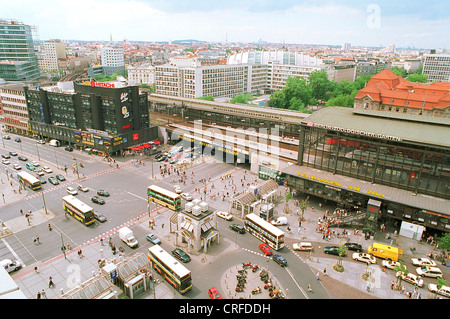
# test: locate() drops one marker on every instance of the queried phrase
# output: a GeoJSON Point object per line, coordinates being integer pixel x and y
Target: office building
{"type": "Point", "coordinates": [17, 58]}
{"type": "Point", "coordinates": [108, 117]}
{"type": "Point", "coordinates": [49, 54]}
{"type": "Point", "coordinates": [437, 67]}
{"type": "Point", "coordinates": [112, 60]}
{"type": "Point", "coordinates": [14, 115]}
{"type": "Point", "coordinates": [141, 74]}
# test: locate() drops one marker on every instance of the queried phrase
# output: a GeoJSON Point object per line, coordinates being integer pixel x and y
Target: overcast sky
{"type": "Point", "coordinates": [413, 23]}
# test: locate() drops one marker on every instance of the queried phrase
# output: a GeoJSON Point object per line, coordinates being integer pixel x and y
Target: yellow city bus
{"type": "Point", "coordinates": [170, 268]}
{"type": "Point", "coordinates": [164, 197]}
{"type": "Point", "coordinates": [78, 209]}
{"type": "Point", "coordinates": [384, 251]}
{"type": "Point", "coordinates": [29, 180]}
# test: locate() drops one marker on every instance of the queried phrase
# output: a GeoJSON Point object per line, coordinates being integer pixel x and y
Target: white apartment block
{"type": "Point", "coordinates": [437, 67]}
{"type": "Point", "coordinates": [49, 54]}
{"type": "Point", "coordinates": [112, 56]}
{"type": "Point", "coordinates": [141, 74]}
{"type": "Point", "coordinates": [14, 114]}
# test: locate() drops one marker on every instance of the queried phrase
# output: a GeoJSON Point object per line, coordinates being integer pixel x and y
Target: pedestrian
{"type": "Point", "coordinates": [38, 296]}
{"type": "Point", "coordinates": [21, 211]}
{"type": "Point", "coordinates": [325, 271]}
{"type": "Point", "coordinates": [101, 242]}
{"type": "Point", "coordinates": [50, 282]}
{"type": "Point", "coordinates": [317, 276]}
{"type": "Point", "coordinates": [36, 269]}
{"type": "Point", "coordinates": [309, 288]}
{"type": "Point", "coordinates": [43, 294]}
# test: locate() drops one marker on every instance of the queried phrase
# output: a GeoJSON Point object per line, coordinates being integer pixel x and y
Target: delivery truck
{"type": "Point", "coordinates": [127, 236]}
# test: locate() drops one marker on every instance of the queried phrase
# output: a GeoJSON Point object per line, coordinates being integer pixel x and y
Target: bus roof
{"type": "Point", "coordinates": [170, 261]}
{"type": "Point", "coordinates": [386, 247]}
{"type": "Point", "coordinates": [163, 191]}
{"type": "Point", "coordinates": [82, 206]}
{"type": "Point", "coordinates": [28, 177]}
{"type": "Point", "coordinates": [265, 224]}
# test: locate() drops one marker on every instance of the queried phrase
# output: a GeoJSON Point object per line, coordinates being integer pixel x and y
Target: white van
{"type": "Point", "coordinates": [127, 237]}
{"type": "Point", "coordinates": [280, 221]}
{"type": "Point", "coordinates": [54, 143]}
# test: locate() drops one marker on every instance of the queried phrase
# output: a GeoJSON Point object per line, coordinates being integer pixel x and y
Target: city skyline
{"type": "Point", "coordinates": [361, 23]}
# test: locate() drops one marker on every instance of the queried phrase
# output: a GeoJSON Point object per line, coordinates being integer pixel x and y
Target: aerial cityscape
{"type": "Point", "coordinates": [196, 150]}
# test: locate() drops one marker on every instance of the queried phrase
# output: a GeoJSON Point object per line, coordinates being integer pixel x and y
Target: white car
{"type": "Point", "coordinates": [390, 264]}
{"type": "Point", "coordinates": [71, 190]}
{"type": "Point", "coordinates": [41, 142]}
{"type": "Point", "coordinates": [83, 188]}
{"type": "Point", "coordinates": [39, 171]}
{"type": "Point", "coordinates": [10, 265]}
{"type": "Point", "coordinates": [186, 196]}
{"type": "Point", "coordinates": [444, 291]}
{"type": "Point", "coordinates": [426, 271]}
{"type": "Point", "coordinates": [35, 163]}
{"type": "Point", "coordinates": [224, 215]}
{"type": "Point", "coordinates": [411, 278]}
{"type": "Point", "coordinates": [303, 246]}
{"type": "Point", "coordinates": [364, 257]}
{"type": "Point", "coordinates": [17, 166]}
{"type": "Point", "coordinates": [47, 169]}
{"type": "Point", "coordinates": [423, 262]}
{"type": "Point", "coordinates": [5, 161]}
{"type": "Point", "coordinates": [177, 189]}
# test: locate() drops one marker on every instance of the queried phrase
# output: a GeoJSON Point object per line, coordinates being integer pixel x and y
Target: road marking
{"type": "Point", "coordinates": [140, 197]}
{"type": "Point", "coordinates": [13, 252]}
{"type": "Point", "coordinates": [296, 283]}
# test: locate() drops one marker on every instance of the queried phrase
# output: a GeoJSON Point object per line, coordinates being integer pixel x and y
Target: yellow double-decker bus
{"type": "Point", "coordinates": [164, 197]}
{"type": "Point", "coordinates": [78, 209]}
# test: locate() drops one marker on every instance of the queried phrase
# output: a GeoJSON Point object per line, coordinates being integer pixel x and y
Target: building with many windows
{"type": "Point", "coordinates": [141, 74]}
{"type": "Point", "coordinates": [112, 60]}
{"type": "Point", "coordinates": [14, 115]}
{"type": "Point", "coordinates": [108, 117]}
{"type": "Point", "coordinates": [49, 54]}
{"type": "Point", "coordinates": [437, 67]}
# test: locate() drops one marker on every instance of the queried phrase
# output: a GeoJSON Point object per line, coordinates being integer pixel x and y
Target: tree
{"type": "Point", "coordinates": [416, 77]}
{"type": "Point", "coordinates": [444, 241]}
{"type": "Point", "coordinates": [206, 98]}
{"type": "Point", "coordinates": [403, 271]}
{"type": "Point", "coordinates": [304, 204]}
{"type": "Point", "coordinates": [321, 86]}
{"type": "Point", "coordinates": [241, 99]}
{"type": "Point", "coordinates": [278, 100]}
{"type": "Point", "coordinates": [399, 71]}
{"type": "Point", "coordinates": [287, 198]}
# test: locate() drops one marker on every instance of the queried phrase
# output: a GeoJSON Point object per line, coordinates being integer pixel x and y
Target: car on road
{"type": "Point", "coordinates": [160, 158]}
{"type": "Point", "coordinates": [6, 137]}
{"type": "Point", "coordinates": [153, 239]}
{"type": "Point", "coordinates": [238, 228]}
{"type": "Point", "coordinates": [39, 171]}
{"type": "Point", "coordinates": [364, 257]}
{"type": "Point", "coordinates": [186, 196]}
{"type": "Point", "coordinates": [102, 192]}
{"type": "Point", "coordinates": [53, 180]}
{"type": "Point", "coordinates": [177, 189]}
{"type": "Point", "coordinates": [224, 215]}
{"type": "Point", "coordinates": [181, 255]}
{"type": "Point", "coordinates": [30, 166]}
{"type": "Point", "coordinates": [10, 265]}
{"type": "Point", "coordinates": [303, 246]}
{"type": "Point", "coordinates": [354, 247]}
{"type": "Point", "coordinates": [60, 177]}
{"type": "Point", "coordinates": [266, 249]}
{"type": "Point", "coordinates": [68, 148]}
{"type": "Point", "coordinates": [12, 153]}
{"type": "Point", "coordinates": [71, 190]}
{"type": "Point", "coordinates": [47, 169]}
{"type": "Point", "coordinates": [213, 293]}
{"type": "Point", "coordinates": [99, 216]}
{"type": "Point", "coordinates": [6, 155]}
{"type": "Point", "coordinates": [97, 200]}
{"type": "Point", "coordinates": [390, 264]}
{"type": "Point", "coordinates": [35, 163]}
{"type": "Point", "coordinates": [22, 158]}
{"type": "Point", "coordinates": [332, 250]}
{"type": "Point", "coordinates": [5, 161]}
{"type": "Point", "coordinates": [42, 179]}
{"type": "Point", "coordinates": [17, 167]}
{"type": "Point", "coordinates": [443, 291]}
{"type": "Point", "coordinates": [18, 140]}
{"type": "Point", "coordinates": [427, 271]}
{"type": "Point", "coordinates": [41, 142]}
{"type": "Point", "coordinates": [280, 260]}
{"type": "Point", "coordinates": [423, 262]}
{"type": "Point", "coordinates": [411, 278]}
{"type": "Point", "coordinates": [83, 188]}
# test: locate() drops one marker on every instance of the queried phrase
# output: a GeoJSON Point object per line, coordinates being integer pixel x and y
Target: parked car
{"type": "Point", "coordinates": [71, 190]}
{"type": "Point", "coordinates": [411, 278]}
{"type": "Point", "coordinates": [153, 239]}
{"type": "Point", "coordinates": [354, 247]}
{"type": "Point", "coordinates": [17, 167]}
{"type": "Point", "coordinates": [364, 257]}
{"type": "Point", "coordinates": [10, 265]}
{"type": "Point", "coordinates": [98, 200]}
{"type": "Point", "coordinates": [266, 249]}
{"type": "Point", "coordinates": [238, 228]}
{"type": "Point", "coordinates": [423, 262]}
{"type": "Point", "coordinates": [280, 260]}
{"type": "Point", "coordinates": [427, 271]}
{"type": "Point", "coordinates": [224, 215]}
{"type": "Point", "coordinates": [99, 216]}
{"type": "Point", "coordinates": [22, 158]}
{"type": "Point", "coordinates": [53, 180]}
{"type": "Point", "coordinates": [214, 293]}
{"type": "Point", "coordinates": [303, 246]}
{"type": "Point", "coordinates": [177, 189]}
{"type": "Point", "coordinates": [390, 264]}
{"type": "Point", "coordinates": [186, 196]}
{"type": "Point", "coordinates": [82, 188]}
{"type": "Point", "coordinates": [47, 169]}
{"type": "Point", "coordinates": [60, 177]}
{"type": "Point", "coordinates": [332, 250]}
{"type": "Point", "coordinates": [181, 255]}
{"type": "Point", "coordinates": [102, 192]}
{"type": "Point", "coordinates": [443, 291]}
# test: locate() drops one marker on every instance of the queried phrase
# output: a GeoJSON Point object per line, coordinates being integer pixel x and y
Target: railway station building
{"type": "Point", "coordinates": [395, 167]}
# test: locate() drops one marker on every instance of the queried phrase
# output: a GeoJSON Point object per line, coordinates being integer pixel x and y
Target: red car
{"type": "Point", "coordinates": [266, 249]}
{"type": "Point", "coordinates": [214, 294]}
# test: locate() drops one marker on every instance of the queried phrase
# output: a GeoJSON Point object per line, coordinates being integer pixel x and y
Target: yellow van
{"type": "Point", "coordinates": [384, 251]}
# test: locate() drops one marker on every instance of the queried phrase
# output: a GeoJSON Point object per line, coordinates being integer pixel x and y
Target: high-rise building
{"type": "Point", "coordinates": [50, 52]}
{"type": "Point", "coordinates": [112, 60]}
{"type": "Point", "coordinates": [437, 67]}
{"type": "Point", "coordinates": [17, 58]}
